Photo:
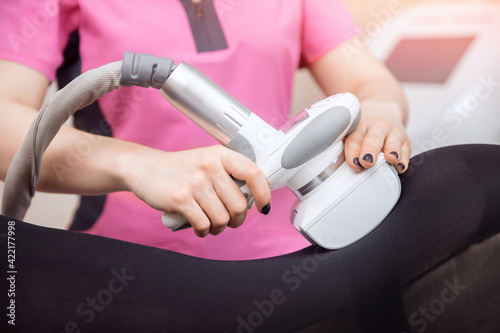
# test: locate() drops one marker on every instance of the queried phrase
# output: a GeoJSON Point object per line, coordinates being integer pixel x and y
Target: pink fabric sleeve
{"type": "Point", "coordinates": [326, 25]}
{"type": "Point", "coordinates": [35, 32]}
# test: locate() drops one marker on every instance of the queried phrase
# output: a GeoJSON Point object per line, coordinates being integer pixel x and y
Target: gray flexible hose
{"type": "Point", "coordinates": [143, 70]}
{"type": "Point", "coordinates": [24, 170]}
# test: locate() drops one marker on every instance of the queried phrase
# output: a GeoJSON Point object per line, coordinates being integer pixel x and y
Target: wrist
{"type": "Point", "coordinates": [388, 109]}
{"type": "Point", "coordinates": [135, 163]}
{"type": "Point", "coordinates": [127, 164]}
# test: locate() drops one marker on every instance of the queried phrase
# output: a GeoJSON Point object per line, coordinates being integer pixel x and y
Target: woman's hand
{"type": "Point", "coordinates": [380, 129]}
{"type": "Point", "coordinates": [197, 184]}
{"type": "Point", "coordinates": [384, 108]}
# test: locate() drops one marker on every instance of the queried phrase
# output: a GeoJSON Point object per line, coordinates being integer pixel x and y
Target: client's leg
{"type": "Point", "coordinates": [68, 281]}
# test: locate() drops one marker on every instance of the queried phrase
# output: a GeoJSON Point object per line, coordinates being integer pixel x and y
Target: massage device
{"type": "Point", "coordinates": [335, 205]}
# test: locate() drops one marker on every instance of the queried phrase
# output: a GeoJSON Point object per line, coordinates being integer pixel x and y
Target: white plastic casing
{"type": "Point", "coordinates": [348, 205]}
{"type": "Point", "coordinates": [277, 175]}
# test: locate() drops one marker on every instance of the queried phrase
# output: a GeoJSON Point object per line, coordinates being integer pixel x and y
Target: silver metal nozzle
{"type": "Point", "coordinates": [205, 103]}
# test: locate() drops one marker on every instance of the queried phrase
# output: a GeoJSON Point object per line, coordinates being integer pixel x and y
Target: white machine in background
{"type": "Point", "coordinates": [447, 56]}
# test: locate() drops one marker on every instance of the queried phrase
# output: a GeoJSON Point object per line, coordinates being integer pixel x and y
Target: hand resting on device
{"type": "Point", "coordinates": [197, 184]}
{"type": "Point", "coordinates": [381, 128]}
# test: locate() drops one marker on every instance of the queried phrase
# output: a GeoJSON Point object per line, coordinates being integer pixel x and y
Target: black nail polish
{"type": "Point", "coordinates": [266, 209]}
{"type": "Point", "coordinates": [356, 161]}
{"type": "Point", "coordinates": [395, 154]}
{"type": "Point", "coordinates": [403, 167]}
{"type": "Point", "coordinates": [368, 158]}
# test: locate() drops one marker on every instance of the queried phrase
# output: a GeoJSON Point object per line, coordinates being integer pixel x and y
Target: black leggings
{"type": "Point", "coordinates": [72, 282]}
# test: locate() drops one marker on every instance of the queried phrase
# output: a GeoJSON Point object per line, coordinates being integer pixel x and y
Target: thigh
{"type": "Point", "coordinates": [68, 279]}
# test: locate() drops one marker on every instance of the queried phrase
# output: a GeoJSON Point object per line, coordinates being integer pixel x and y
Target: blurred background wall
{"type": "Point", "coordinates": [306, 90]}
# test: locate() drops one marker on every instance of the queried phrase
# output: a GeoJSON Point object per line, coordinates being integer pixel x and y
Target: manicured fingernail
{"type": "Point", "coordinates": [356, 161]}
{"type": "Point", "coordinates": [266, 209]}
{"type": "Point", "coordinates": [403, 167]}
{"type": "Point", "coordinates": [368, 158]}
{"type": "Point", "coordinates": [395, 154]}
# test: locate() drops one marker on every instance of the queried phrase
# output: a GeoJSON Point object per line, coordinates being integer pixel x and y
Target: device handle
{"type": "Point", "coordinates": [176, 222]}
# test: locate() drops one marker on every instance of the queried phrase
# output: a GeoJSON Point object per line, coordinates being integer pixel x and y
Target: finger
{"type": "Point", "coordinates": [196, 217]}
{"type": "Point", "coordinates": [242, 168]}
{"type": "Point", "coordinates": [372, 144]}
{"type": "Point", "coordinates": [213, 208]}
{"type": "Point", "coordinates": [232, 198]}
{"type": "Point", "coordinates": [352, 147]}
{"type": "Point", "coordinates": [402, 165]}
{"type": "Point", "coordinates": [392, 148]}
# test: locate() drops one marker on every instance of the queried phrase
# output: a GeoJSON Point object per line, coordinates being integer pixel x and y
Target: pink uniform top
{"type": "Point", "coordinates": [266, 41]}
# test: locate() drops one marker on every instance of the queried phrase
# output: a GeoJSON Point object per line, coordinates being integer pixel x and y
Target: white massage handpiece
{"type": "Point", "coordinates": [303, 141]}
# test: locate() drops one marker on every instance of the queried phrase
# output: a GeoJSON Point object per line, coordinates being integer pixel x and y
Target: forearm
{"type": "Point", "coordinates": [383, 89]}
{"type": "Point", "coordinates": [75, 162]}
{"type": "Point", "coordinates": [83, 163]}
{"type": "Point", "coordinates": [363, 75]}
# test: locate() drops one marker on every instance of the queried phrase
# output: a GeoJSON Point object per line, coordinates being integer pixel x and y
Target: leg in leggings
{"type": "Point", "coordinates": [68, 281]}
